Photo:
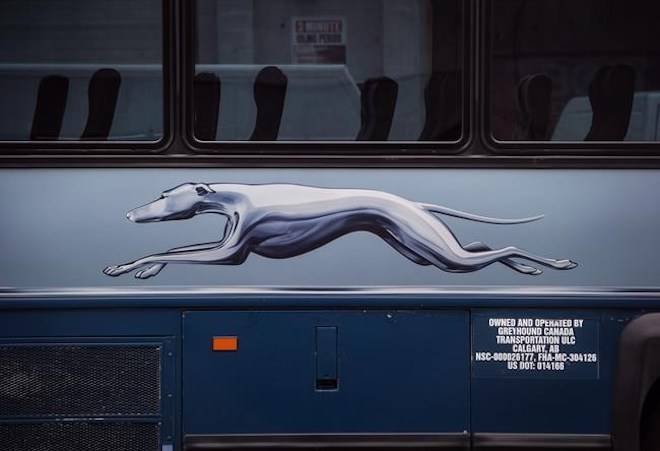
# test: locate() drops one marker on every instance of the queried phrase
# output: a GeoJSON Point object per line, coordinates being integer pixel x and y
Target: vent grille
{"type": "Point", "coordinates": [80, 436]}
{"type": "Point", "coordinates": [79, 380]}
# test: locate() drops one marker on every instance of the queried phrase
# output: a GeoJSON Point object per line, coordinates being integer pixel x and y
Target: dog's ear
{"type": "Point", "coordinates": [203, 189]}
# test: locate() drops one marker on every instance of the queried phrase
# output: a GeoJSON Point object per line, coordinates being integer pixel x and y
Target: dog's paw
{"type": "Point", "coordinates": [149, 271]}
{"type": "Point", "coordinates": [116, 270]}
{"type": "Point", "coordinates": [530, 270]}
{"type": "Point", "coordinates": [566, 264]}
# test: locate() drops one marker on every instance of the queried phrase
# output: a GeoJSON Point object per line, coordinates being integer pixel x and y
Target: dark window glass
{"type": "Point", "coordinates": [328, 70]}
{"type": "Point", "coordinates": [575, 70]}
{"type": "Point", "coordinates": [81, 70]}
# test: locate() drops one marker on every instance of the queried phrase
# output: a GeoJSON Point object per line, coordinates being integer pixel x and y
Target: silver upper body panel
{"type": "Point", "coordinates": [60, 227]}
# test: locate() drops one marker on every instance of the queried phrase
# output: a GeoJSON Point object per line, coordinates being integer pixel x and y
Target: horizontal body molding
{"type": "Point", "coordinates": [351, 298]}
{"type": "Point", "coordinates": [328, 441]}
{"type": "Point", "coordinates": [541, 442]}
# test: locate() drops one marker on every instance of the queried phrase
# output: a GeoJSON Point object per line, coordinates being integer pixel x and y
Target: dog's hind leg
{"type": "Point", "coordinates": [520, 267]}
{"type": "Point", "coordinates": [403, 250]}
{"type": "Point", "coordinates": [471, 261]}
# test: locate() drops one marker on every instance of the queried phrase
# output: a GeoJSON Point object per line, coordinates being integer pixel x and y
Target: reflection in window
{"type": "Point", "coordinates": [81, 70]}
{"type": "Point", "coordinates": [566, 70]}
{"type": "Point", "coordinates": [328, 70]}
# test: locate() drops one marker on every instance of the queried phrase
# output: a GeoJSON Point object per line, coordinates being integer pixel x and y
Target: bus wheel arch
{"type": "Point", "coordinates": [637, 381]}
{"type": "Point", "coordinates": [649, 430]}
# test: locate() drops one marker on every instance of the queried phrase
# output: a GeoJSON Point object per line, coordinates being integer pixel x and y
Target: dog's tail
{"type": "Point", "coordinates": [472, 217]}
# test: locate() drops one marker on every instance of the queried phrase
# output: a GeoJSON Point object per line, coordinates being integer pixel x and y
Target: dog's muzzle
{"type": "Point", "coordinates": [143, 214]}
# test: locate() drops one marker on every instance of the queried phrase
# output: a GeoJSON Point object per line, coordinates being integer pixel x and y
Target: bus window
{"type": "Point", "coordinates": [72, 70]}
{"type": "Point", "coordinates": [569, 71]}
{"type": "Point", "coordinates": [329, 70]}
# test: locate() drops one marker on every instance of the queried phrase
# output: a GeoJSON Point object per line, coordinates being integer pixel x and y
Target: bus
{"type": "Point", "coordinates": [329, 224]}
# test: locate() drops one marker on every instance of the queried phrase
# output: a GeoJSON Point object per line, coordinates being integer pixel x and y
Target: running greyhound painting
{"type": "Point", "coordinates": [283, 221]}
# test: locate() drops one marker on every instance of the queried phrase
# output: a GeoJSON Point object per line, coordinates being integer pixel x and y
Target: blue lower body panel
{"type": "Point", "coordinates": [430, 375]}
{"type": "Point", "coordinates": [543, 371]}
{"type": "Point", "coordinates": [395, 371]}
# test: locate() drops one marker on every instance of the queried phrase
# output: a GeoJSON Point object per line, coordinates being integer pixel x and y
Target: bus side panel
{"type": "Point", "coordinates": [65, 230]}
{"type": "Point", "coordinates": [544, 371]}
{"type": "Point", "coordinates": [396, 371]}
{"type": "Point", "coordinates": [103, 377]}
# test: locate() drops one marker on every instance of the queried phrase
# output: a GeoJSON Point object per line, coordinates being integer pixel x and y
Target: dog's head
{"type": "Point", "coordinates": [182, 202]}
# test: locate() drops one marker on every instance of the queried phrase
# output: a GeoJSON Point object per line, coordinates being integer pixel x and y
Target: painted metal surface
{"type": "Point", "coordinates": [574, 401]}
{"type": "Point", "coordinates": [60, 227]}
{"type": "Point", "coordinates": [397, 371]}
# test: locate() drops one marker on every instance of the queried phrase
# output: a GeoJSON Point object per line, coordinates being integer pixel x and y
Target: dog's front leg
{"type": "Point", "coordinates": [156, 268]}
{"type": "Point", "coordinates": [199, 254]}
{"type": "Point", "coordinates": [150, 271]}
{"type": "Point", "coordinates": [118, 270]}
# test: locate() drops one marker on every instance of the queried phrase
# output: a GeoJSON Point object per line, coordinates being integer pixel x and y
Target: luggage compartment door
{"type": "Point", "coordinates": [327, 372]}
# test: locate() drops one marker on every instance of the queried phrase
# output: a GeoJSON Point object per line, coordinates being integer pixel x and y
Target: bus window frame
{"type": "Point", "coordinates": [174, 150]}
{"type": "Point", "coordinates": [110, 147]}
{"type": "Point", "coordinates": [539, 148]}
{"type": "Point", "coordinates": [315, 149]}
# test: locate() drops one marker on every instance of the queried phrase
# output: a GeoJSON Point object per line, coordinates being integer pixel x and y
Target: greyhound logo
{"type": "Point", "coordinates": [283, 221]}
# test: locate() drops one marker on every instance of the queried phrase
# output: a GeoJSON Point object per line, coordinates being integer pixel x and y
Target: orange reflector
{"type": "Point", "coordinates": [225, 343]}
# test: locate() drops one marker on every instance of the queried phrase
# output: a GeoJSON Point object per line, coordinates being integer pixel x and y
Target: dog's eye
{"type": "Point", "coordinates": [201, 191]}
